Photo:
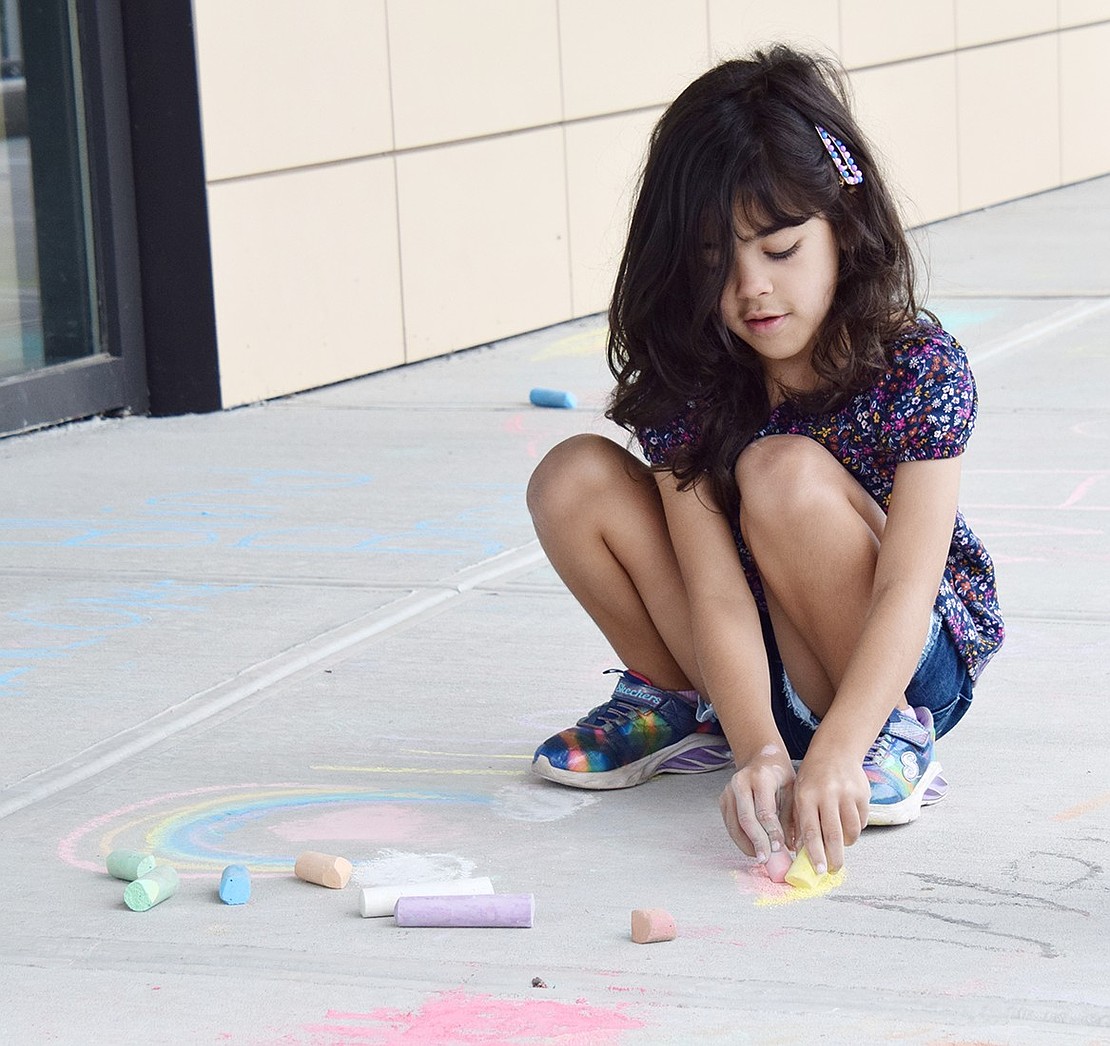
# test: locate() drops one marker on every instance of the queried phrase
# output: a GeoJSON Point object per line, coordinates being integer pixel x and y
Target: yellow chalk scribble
{"type": "Point", "coordinates": [791, 894]}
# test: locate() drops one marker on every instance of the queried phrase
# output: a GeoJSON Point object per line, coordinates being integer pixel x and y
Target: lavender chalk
{"type": "Point", "coordinates": [552, 398]}
{"type": "Point", "coordinates": [235, 885]}
{"type": "Point", "coordinates": [376, 901]}
{"type": "Point", "coordinates": [158, 885]}
{"type": "Point", "coordinates": [129, 864]}
{"type": "Point", "coordinates": [502, 909]}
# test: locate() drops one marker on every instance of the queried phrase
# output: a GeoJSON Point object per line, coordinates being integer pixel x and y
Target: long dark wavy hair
{"type": "Point", "coordinates": [743, 134]}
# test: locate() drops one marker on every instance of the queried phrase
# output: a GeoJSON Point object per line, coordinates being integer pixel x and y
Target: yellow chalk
{"type": "Point", "coordinates": [802, 874]}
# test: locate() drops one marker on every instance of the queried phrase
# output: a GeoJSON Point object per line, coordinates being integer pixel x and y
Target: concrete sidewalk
{"type": "Point", "coordinates": [324, 623]}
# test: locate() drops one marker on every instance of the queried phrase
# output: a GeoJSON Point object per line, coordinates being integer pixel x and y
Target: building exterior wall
{"type": "Point", "coordinates": [390, 180]}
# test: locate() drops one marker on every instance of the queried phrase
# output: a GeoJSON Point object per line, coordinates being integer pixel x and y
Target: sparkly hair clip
{"type": "Point", "coordinates": [846, 167]}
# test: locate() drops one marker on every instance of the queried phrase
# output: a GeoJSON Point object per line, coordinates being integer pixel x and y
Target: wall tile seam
{"type": "Point", "coordinates": [986, 45]}
{"type": "Point", "coordinates": [432, 147]}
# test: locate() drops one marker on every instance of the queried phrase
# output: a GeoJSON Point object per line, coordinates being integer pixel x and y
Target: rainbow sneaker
{"type": "Point", "coordinates": [639, 732]}
{"type": "Point", "coordinates": [902, 768]}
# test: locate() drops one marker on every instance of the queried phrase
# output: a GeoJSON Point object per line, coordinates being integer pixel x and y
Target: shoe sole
{"type": "Point", "coordinates": [691, 755]}
{"type": "Point", "coordinates": [908, 809]}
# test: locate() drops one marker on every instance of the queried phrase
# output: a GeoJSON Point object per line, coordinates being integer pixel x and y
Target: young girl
{"type": "Point", "coordinates": [789, 579]}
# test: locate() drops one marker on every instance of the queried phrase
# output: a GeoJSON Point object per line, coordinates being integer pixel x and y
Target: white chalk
{"type": "Point", "coordinates": [376, 901]}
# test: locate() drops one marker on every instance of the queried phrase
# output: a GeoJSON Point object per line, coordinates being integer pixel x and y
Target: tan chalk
{"type": "Point", "coordinates": [323, 869]}
{"type": "Point", "coordinates": [650, 925]}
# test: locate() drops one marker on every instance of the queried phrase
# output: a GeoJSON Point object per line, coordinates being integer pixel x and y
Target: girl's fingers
{"type": "Point", "coordinates": [732, 823]}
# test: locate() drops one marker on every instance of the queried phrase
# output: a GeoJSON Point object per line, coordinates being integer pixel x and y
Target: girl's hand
{"type": "Point", "coordinates": [830, 808]}
{"type": "Point", "coordinates": [756, 803]}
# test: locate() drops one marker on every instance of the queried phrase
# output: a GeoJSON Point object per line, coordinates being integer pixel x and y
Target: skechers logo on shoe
{"type": "Point", "coordinates": [638, 692]}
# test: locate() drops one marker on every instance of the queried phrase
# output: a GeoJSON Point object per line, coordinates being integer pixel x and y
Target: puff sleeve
{"type": "Point", "coordinates": [931, 400]}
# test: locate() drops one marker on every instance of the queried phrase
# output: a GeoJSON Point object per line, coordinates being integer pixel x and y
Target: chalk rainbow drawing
{"type": "Point", "coordinates": [202, 830]}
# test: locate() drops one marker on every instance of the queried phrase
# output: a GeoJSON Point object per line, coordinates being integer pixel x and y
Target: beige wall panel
{"type": "Point", "coordinates": [483, 240]}
{"type": "Point", "coordinates": [1084, 103]}
{"type": "Point", "coordinates": [876, 31]}
{"type": "Point", "coordinates": [1081, 12]}
{"type": "Point", "coordinates": [627, 54]}
{"type": "Point", "coordinates": [1009, 121]}
{"type": "Point", "coordinates": [604, 159]}
{"type": "Point", "coordinates": [735, 26]}
{"type": "Point", "coordinates": [464, 69]}
{"type": "Point", "coordinates": [283, 85]}
{"type": "Point", "coordinates": [307, 278]}
{"type": "Point", "coordinates": [983, 21]}
{"type": "Point", "coordinates": [909, 113]}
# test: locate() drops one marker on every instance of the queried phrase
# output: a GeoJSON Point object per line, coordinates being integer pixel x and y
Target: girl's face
{"type": "Point", "coordinates": [778, 292]}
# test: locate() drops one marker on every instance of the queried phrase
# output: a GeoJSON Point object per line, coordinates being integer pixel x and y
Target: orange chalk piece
{"type": "Point", "coordinates": [650, 925]}
{"type": "Point", "coordinates": [802, 874]}
{"type": "Point", "coordinates": [323, 869]}
{"type": "Point", "coordinates": [778, 864]}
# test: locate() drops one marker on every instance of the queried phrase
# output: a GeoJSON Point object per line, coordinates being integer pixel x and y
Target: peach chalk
{"type": "Point", "coordinates": [323, 869]}
{"type": "Point", "coordinates": [498, 909]}
{"type": "Point", "coordinates": [652, 924]}
{"type": "Point", "coordinates": [778, 864]}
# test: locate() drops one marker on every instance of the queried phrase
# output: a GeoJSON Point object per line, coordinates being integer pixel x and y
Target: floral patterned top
{"type": "Point", "coordinates": [922, 408]}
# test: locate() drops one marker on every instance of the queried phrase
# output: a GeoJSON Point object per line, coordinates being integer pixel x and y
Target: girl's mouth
{"type": "Point", "coordinates": [764, 324]}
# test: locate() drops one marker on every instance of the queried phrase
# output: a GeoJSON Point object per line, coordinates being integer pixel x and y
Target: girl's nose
{"type": "Point", "coordinates": [751, 279]}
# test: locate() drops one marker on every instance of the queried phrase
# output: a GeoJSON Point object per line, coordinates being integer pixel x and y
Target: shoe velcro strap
{"type": "Point", "coordinates": [907, 730]}
{"type": "Point", "coordinates": [630, 688]}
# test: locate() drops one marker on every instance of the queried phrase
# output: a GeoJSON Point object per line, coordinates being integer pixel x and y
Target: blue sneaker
{"type": "Point", "coordinates": [902, 768]}
{"type": "Point", "coordinates": [639, 732]}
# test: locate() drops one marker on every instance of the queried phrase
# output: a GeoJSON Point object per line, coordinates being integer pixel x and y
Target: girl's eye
{"type": "Point", "coordinates": [783, 255]}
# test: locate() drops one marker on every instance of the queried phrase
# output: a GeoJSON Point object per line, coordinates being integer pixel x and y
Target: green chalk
{"type": "Point", "coordinates": [156, 886]}
{"type": "Point", "coordinates": [129, 864]}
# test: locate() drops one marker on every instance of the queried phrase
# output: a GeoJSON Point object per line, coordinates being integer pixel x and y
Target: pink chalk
{"type": "Point", "coordinates": [778, 864]}
{"type": "Point", "coordinates": [650, 925]}
{"type": "Point", "coordinates": [500, 909]}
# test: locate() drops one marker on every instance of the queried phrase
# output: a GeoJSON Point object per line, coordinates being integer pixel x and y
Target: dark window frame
{"type": "Point", "coordinates": [114, 380]}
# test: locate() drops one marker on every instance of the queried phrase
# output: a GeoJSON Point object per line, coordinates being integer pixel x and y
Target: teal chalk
{"type": "Point", "coordinates": [158, 885]}
{"type": "Point", "coordinates": [552, 398]}
{"type": "Point", "coordinates": [235, 885]}
{"type": "Point", "coordinates": [129, 864]}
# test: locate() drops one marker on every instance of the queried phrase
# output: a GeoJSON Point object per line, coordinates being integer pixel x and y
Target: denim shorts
{"type": "Point", "coordinates": [941, 683]}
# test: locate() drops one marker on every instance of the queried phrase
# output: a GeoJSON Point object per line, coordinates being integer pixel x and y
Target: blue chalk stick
{"type": "Point", "coordinates": [552, 398]}
{"type": "Point", "coordinates": [235, 885]}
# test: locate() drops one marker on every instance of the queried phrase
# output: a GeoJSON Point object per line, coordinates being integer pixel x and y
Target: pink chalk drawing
{"type": "Point", "coordinates": [456, 1018]}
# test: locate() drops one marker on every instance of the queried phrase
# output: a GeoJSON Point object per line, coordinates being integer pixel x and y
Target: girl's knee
{"type": "Point", "coordinates": [572, 472]}
{"type": "Point", "coordinates": [780, 477]}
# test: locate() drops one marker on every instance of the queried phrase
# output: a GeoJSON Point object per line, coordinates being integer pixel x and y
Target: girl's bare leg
{"type": "Point", "coordinates": [814, 533]}
{"type": "Point", "coordinates": [599, 517]}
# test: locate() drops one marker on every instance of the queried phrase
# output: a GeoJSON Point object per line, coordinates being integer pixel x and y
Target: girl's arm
{"type": "Point", "coordinates": [732, 665]}
{"type": "Point", "coordinates": [911, 560]}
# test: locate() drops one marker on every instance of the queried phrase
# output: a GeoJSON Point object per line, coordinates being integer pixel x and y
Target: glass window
{"type": "Point", "coordinates": [47, 291]}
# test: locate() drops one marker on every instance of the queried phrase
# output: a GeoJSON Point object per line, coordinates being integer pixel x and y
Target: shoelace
{"type": "Point", "coordinates": [617, 710]}
{"type": "Point", "coordinates": [879, 749]}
